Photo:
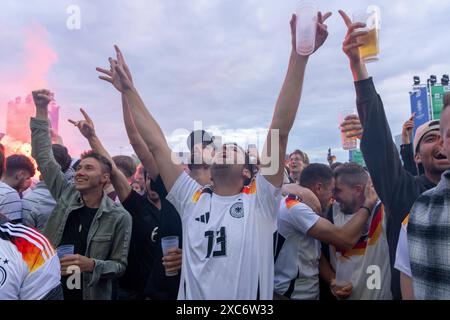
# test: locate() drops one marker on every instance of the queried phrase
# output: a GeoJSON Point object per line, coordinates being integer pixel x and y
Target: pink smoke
{"type": "Point", "coordinates": [27, 70]}
{"type": "Point", "coordinates": [39, 58]}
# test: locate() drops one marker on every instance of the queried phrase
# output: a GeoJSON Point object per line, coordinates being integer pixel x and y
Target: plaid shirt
{"type": "Point", "coordinates": [429, 242]}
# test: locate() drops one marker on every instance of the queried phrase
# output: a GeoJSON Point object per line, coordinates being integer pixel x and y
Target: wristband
{"type": "Point", "coordinates": [368, 210]}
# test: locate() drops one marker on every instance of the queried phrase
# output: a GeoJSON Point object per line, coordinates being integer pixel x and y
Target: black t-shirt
{"type": "Point", "coordinates": [76, 233]}
{"type": "Point", "coordinates": [146, 220]}
{"type": "Point", "coordinates": [159, 286]}
{"type": "Point", "coordinates": [145, 272]}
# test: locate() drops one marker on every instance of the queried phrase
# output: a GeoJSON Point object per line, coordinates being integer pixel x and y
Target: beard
{"type": "Point", "coordinates": [347, 208]}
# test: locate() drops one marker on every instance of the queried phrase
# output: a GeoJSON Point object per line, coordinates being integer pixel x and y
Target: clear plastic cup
{"type": "Point", "coordinates": [370, 50]}
{"type": "Point", "coordinates": [65, 250]}
{"type": "Point", "coordinates": [166, 244]}
{"type": "Point", "coordinates": [306, 27]}
{"type": "Point", "coordinates": [344, 271]}
{"type": "Point", "coordinates": [347, 143]}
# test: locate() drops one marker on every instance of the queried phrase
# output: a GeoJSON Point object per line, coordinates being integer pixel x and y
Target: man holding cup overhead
{"type": "Point", "coordinates": [396, 187]}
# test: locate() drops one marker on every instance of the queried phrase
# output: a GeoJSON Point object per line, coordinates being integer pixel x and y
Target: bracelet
{"type": "Point", "coordinates": [368, 210]}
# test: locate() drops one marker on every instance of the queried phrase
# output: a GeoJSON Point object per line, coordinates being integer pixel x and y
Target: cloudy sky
{"type": "Point", "coordinates": [221, 62]}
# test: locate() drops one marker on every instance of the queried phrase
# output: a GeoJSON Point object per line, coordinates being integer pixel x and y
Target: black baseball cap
{"type": "Point", "coordinates": [199, 136]}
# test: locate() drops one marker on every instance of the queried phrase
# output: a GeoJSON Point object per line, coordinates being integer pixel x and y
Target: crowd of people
{"type": "Point", "coordinates": [249, 226]}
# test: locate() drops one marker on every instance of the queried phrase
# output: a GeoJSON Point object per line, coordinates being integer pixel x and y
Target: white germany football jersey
{"type": "Point", "coordinates": [29, 266]}
{"type": "Point", "coordinates": [227, 241]}
{"type": "Point", "coordinates": [371, 277]}
{"type": "Point", "coordinates": [297, 256]}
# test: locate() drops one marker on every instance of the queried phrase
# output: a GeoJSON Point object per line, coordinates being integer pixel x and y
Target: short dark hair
{"type": "Point", "coordinates": [104, 162]}
{"type": "Point", "coordinates": [2, 160]}
{"type": "Point", "coordinates": [199, 136]}
{"type": "Point", "coordinates": [351, 174]}
{"type": "Point", "coordinates": [18, 162]}
{"type": "Point", "coordinates": [125, 164]}
{"type": "Point", "coordinates": [315, 173]}
{"type": "Point", "coordinates": [62, 156]}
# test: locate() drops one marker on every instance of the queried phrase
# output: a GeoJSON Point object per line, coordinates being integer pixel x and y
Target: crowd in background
{"type": "Point", "coordinates": [304, 231]}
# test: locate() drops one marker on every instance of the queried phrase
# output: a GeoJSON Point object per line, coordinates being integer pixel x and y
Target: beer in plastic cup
{"type": "Point", "coordinates": [306, 27]}
{"type": "Point", "coordinates": [65, 250]}
{"type": "Point", "coordinates": [370, 50]}
{"type": "Point", "coordinates": [166, 244]}
{"type": "Point", "coordinates": [347, 143]}
{"type": "Point", "coordinates": [344, 271]}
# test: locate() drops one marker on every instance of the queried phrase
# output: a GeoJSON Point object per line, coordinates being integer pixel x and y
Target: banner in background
{"type": "Point", "coordinates": [437, 100]}
{"type": "Point", "coordinates": [356, 156]}
{"type": "Point", "coordinates": [420, 106]}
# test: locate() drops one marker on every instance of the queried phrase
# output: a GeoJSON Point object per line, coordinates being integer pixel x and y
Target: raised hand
{"type": "Point", "coordinates": [408, 126]}
{"type": "Point", "coordinates": [85, 126]}
{"type": "Point", "coordinates": [321, 33]}
{"type": "Point", "coordinates": [351, 44]}
{"type": "Point", "coordinates": [121, 62]}
{"type": "Point", "coordinates": [371, 197]}
{"type": "Point", "coordinates": [42, 98]}
{"type": "Point", "coordinates": [119, 74]}
{"type": "Point", "coordinates": [352, 127]}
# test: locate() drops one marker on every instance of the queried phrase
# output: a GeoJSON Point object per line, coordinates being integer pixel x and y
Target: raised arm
{"type": "Point", "coordinates": [287, 106]}
{"type": "Point", "coordinates": [406, 149]}
{"type": "Point", "coordinates": [351, 47]}
{"type": "Point", "coordinates": [146, 125]}
{"type": "Point", "coordinates": [118, 180]}
{"type": "Point", "coordinates": [390, 179]}
{"type": "Point", "coordinates": [136, 141]}
{"type": "Point", "coordinates": [138, 144]}
{"type": "Point", "coordinates": [41, 145]}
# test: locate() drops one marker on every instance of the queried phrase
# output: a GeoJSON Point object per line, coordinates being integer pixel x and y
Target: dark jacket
{"type": "Point", "coordinates": [407, 154]}
{"type": "Point", "coordinates": [395, 186]}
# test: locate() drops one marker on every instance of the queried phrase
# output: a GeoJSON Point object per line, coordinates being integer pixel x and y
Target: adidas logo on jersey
{"type": "Point", "coordinates": [204, 218]}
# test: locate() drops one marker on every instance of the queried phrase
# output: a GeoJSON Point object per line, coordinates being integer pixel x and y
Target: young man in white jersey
{"type": "Point", "coordinates": [227, 230]}
{"type": "Point", "coordinates": [300, 231]}
{"type": "Point", "coordinates": [29, 266]}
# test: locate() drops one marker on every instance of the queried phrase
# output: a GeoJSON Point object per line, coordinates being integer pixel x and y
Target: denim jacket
{"type": "Point", "coordinates": [109, 235]}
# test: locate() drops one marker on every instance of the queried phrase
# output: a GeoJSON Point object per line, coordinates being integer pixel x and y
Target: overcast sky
{"type": "Point", "coordinates": [217, 61]}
